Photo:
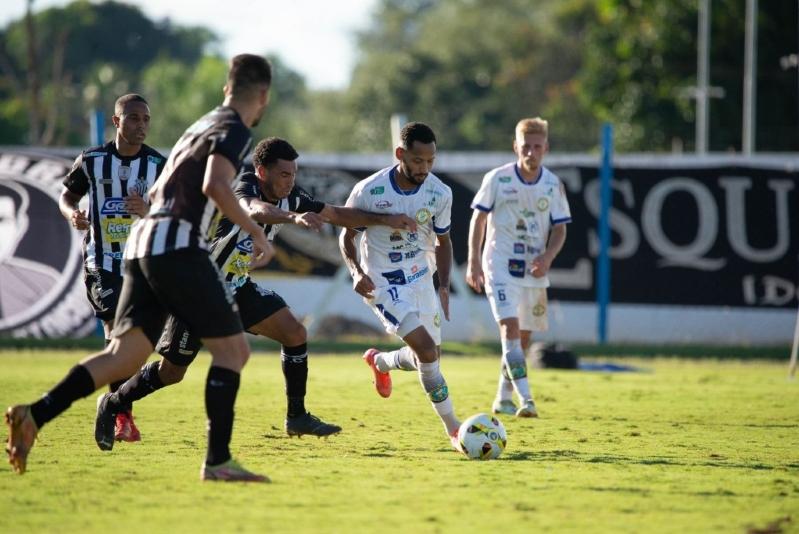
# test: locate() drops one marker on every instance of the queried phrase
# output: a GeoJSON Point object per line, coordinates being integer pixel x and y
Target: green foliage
{"type": "Point", "coordinates": [682, 447]}
{"type": "Point", "coordinates": [87, 55]}
{"type": "Point", "coordinates": [470, 69]}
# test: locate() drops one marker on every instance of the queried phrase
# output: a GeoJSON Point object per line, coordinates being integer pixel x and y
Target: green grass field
{"type": "Point", "coordinates": [687, 446]}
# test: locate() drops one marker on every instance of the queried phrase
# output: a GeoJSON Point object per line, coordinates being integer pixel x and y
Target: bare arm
{"type": "Point", "coordinates": [474, 267]}
{"type": "Point", "coordinates": [356, 218]}
{"type": "Point", "coordinates": [68, 205]}
{"type": "Point", "coordinates": [219, 173]}
{"type": "Point", "coordinates": [361, 283]}
{"type": "Point", "coordinates": [266, 213]}
{"type": "Point", "coordinates": [444, 267]}
{"type": "Point", "coordinates": [542, 264]}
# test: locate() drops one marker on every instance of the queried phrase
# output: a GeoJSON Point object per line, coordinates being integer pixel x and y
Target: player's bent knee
{"type": "Point", "coordinates": [170, 373]}
{"type": "Point", "coordinates": [295, 336]}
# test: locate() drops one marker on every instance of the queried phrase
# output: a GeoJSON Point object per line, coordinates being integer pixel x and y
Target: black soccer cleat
{"type": "Point", "coordinates": [310, 424]}
{"type": "Point", "coordinates": [105, 423]}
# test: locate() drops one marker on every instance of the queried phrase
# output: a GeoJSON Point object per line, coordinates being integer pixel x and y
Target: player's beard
{"type": "Point", "coordinates": [414, 179]}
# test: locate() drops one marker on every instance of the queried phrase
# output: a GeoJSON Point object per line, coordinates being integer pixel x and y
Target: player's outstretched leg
{"type": "Point", "coordinates": [382, 379]}
{"type": "Point", "coordinates": [22, 432]}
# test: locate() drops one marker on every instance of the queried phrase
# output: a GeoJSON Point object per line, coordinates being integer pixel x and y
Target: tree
{"type": "Point", "coordinates": [94, 51]}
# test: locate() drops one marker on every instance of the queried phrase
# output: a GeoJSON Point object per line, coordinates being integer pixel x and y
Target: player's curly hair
{"type": "Point", "coordinates": [271, 149]}
{"type": "Point", "coordinates": [416, 131]}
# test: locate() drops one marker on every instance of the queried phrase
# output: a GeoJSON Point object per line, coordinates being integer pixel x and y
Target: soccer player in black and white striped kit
{"type": "Point", "coordinates": [117, 177]}
{"type": "Point", "coordinates": [168, 270]}
{"type": "Point", "coordinates": [272, 199]}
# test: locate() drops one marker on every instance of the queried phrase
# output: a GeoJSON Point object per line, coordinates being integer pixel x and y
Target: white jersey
{"type": "Point", "coordinates": [520, 217]}
{"type": "Point", "coordinates": [399, 257]}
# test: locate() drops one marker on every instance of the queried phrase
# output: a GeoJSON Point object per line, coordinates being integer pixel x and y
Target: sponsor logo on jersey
{"type": "Point", "coordinates": [423, 216]}
{"type": "Point", "coordinates": [533, 250]}
{"type": "Point", "coordinates": [542, 204]}
{"type": "Point", "coordinates": [395, 236]}
{"type": "Point", "coordinates": [527, 213]}
{"type": "Point", "coordinates": [520, 225]}
{"type": "Point", "coordinates": [412, 237]}
{"type": "Point", "coordinates": [375, 191]}
{"type": "Point", "coordinates": [395, 257]}
{"type": "Point", "coordinates": [539, 310]}
{"type": "Point", "coordinates": [412, 254]}
{"type": "Point", "coordinates": [518, 248]}
{"type": "Point", "coordinates": [396, 278]}
{"type": "Point", "coordinates": [417, 274]}
{"type": "Point", "coordinates": [114, 206]}
{"type": "Point", "coordinates": [516, 268]}
{"type": "Point", "coordinates": [137, 186]}
{"type": "Point", "coordinates": [94, 154]}
{"type": "Point", "coordinates": [382, 204]}
{"type": "Point", "coordinates": [437, 320]}
{"type": "Point", "coordinates": [504, 179]}
{"type": "Point", "coordinates": [245, 245]}
{"type": "Point", "coordinates": [510, 191]}
{"type": "Point", "coordinates": [116, 231]}
{"type": "Point", "coordinates": [113, 255]}
{"type": "Point", "coordinates": [154, 159]}
{"type": "Point", "coordinates": [124, 172]}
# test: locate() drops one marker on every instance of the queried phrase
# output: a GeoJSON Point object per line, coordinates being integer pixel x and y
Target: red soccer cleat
{"type": "Point", "coordinates": [382, 380]}
{"type": "Point", "coordinates": [125, 428]}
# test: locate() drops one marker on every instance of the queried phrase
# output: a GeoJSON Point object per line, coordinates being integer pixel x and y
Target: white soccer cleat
{"type": "Point", "coordinates": [527, 409]}
{"type": "Point", "coordinates": [504, 406]}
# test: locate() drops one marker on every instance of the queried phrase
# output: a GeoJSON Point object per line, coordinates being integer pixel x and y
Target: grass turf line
{"type": "Point", "coordinates": [688, 446]}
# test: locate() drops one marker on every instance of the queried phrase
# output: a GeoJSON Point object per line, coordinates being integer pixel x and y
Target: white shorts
{"type": "Point", "coordinates": [392, 304]}
{"type": "Point", "coordinates": [528, 304]}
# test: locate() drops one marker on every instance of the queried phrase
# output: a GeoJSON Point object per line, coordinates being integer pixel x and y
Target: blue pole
{"type": "Point", "coordinates": [603, 261]}
{"type": "Point", "coordinates": [96, 127]}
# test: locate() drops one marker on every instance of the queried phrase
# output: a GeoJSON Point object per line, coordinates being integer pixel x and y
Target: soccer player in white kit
{"type": "Point", "coordinates": [521, 210]}
{"type": "Point", "coordinates": [395, 273]}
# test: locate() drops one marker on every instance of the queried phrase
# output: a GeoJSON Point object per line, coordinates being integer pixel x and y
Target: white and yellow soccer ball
{"type": "Point", "coordinates": [482, 437]}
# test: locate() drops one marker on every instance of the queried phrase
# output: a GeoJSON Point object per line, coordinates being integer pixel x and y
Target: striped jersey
{"type": "Point", "coordinates": [398, 257]}
{"type": "Point", "coordinates": [520, 217]}
{"type": "Point", "coordinates": [108, 177]}
{"type": "Point", "coordinates": [181, 216]}
{"type": "Point", "coordinates": [232, 248]}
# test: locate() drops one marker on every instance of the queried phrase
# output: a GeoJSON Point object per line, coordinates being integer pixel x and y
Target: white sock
{"type": "Point", "coordinates": [516, 367]}
{"type": "Point", "coordinates": [396, 359]}
{"type": "Point", "coordinates": [436, 387]}
{"type": "Point", "coordinates": [504, 386]}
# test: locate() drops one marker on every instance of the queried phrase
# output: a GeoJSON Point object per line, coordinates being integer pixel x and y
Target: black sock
{"type": "Point", "coordinates": [295, 371]}
{"type": "Point", "coordinates": [221, 388]}
{"type": "Point", "coordinates": [77, 384]}
{"type": "Point", "coordinates": [137, 387]}
{"type": "Point", "coordinates": [114, 386]}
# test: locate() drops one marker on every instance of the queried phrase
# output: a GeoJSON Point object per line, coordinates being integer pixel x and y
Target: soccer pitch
{"type": "Point", "coordinates": [687, 446]}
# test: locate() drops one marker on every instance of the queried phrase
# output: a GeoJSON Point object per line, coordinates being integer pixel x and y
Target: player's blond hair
{"type": "Point", "coordinates": [536, 125]}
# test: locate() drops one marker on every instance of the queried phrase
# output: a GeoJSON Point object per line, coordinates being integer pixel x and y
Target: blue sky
{"type": "Point", "coordinates": [313, 37]}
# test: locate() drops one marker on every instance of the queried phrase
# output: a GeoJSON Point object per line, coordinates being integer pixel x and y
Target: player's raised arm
{"type": "Point", "coordinates": [474, 268]}
{"type": "Point", "coordinates": [361, 283]}
{"type": "Point", "coordinates": [357, 218]}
